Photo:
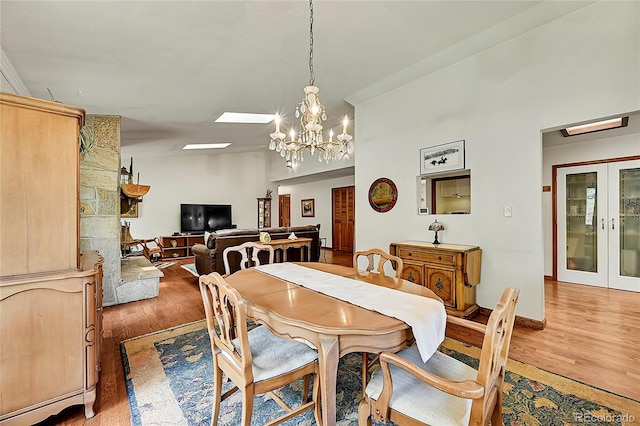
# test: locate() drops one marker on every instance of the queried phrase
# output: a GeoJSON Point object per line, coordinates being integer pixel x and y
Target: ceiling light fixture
{"type": "Point", "coordinates": [596, 126]}
{"type": "Point", "coordinates": [245, 117]}
{"type": "Point", "coordinates": [311, 114]}
{"type": "Point", "coordinates": [206, 145]}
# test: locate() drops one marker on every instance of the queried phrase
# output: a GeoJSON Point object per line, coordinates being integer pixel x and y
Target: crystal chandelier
{"type": "Point", "coordinates": [311, 114]}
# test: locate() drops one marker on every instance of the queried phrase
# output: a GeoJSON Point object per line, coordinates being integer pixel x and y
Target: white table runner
{"type": "Point", "coordinates": [427, 317]}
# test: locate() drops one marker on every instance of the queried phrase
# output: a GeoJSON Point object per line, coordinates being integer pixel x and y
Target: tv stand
{"type": "Point", "coordinates": [179, 246]}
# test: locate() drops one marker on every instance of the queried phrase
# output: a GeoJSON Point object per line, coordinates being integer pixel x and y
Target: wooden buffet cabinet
{"type": "Point", "coordinates": [451, 271]}
{"type": "Point", "coordinates": [50, 294]}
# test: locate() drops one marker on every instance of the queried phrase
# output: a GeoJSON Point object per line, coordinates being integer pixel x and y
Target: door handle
{"type": "Point", "coordinates": [613, 226]}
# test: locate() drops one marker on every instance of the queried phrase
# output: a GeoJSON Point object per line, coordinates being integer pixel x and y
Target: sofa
{"type": "Point", "coordinates": [209, 255]}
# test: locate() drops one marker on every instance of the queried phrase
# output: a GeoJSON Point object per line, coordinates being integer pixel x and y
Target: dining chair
{"type": "Point", "coordinates": [444, 391]}
{"type": "Point", "coordinates": [383, 257]}
{"type": "Point", "coordinates": [256, 361]}
{"type": "Point", "coordinates": [249, 252]}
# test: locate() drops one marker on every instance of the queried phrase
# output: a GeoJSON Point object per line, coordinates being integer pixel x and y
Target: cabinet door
{"type": "Point", "coordinates": [441, 282]}
{"type": "Point", "coordinates": [447, 188]}
{"type": "Point", "coordinates": [455, 187]}
{"type": "Point", "coordinates": [267, 213]}
{"type": "Point", "coordinates": [463, 186]}
{"type": "Point", "coordinates": [260, 213]}
{"type": "Point", "coordinates": [412, 272]}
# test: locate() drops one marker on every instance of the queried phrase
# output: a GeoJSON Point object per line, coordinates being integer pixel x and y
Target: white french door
{"type": "Point", "coordinates": [582, 206]}
{"type": "Point", "coordinates": [599, 224]}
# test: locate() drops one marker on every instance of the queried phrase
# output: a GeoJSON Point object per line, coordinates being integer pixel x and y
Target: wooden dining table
{"type": "Point", "coordinates": [335, 327]}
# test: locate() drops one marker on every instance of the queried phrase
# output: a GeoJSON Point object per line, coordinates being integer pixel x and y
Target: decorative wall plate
{"type": "Point", "coordinates": [383, 195]}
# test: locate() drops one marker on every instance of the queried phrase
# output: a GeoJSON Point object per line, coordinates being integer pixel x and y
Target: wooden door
{"type": "Point", "coordinates": [284, 209]}
{"type": "Point", "coordinates": [343, 212]}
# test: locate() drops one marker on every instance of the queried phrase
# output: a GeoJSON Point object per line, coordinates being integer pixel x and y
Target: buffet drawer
{"type": "Point", "coordinates": [426, 256]}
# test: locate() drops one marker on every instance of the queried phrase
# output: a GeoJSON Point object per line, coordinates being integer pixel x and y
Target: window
{"type": "Point", "coordinates": [445, 193]}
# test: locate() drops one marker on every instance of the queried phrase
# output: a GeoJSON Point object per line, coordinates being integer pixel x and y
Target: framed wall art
{"type": "Point", "coordinates": [308, 208]}
{"type": "Point", "coordinates": [442, 158]}
{"type": "Point", "coordinates": [128, 210]}
{"type": "Point", "coordinates": [383, 195]}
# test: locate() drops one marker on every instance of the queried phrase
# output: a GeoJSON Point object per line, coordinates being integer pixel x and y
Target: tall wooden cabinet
{"type": "Point", "coordinates": [264, 212]}
{"type": "Point", "coordinates": [450, 270]}
{"type": "Point", "coordinates": [50, 295]}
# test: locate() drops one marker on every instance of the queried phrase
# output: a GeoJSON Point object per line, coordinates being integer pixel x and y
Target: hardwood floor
{"type": "Point", "coordinates": [591, 336]}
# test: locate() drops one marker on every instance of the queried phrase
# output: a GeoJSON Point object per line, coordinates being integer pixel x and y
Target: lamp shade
{"type": "Point", "coordinates": [436, 226]}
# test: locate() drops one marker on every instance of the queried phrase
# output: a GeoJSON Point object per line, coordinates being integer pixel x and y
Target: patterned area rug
{"type": "Point", "coordinates": [163, 265]}
{"type": "Point", "coordinates": [191, 267]}
{"type": "Point", "coordinates": [169, 382]}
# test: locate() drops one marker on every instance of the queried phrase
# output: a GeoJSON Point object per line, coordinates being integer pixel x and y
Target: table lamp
{"type": "Point", "coordinates": [436, 226]}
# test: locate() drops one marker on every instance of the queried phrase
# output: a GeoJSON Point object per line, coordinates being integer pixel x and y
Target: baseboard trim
{"type": "Point", "coordinates": [522, 321]}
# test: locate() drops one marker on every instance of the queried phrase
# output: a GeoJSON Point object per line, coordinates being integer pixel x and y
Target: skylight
{"type": "Point", "coordinates": [596, 126]}
{"type": "Point", "coordinates": [206, 145]}
{"type": "Point", "coordinates": [242, 117]}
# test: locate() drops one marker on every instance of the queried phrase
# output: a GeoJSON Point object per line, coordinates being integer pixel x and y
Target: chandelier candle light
{"type": "Point", "coordinates": [311, 114]}
{"type": "Point", "coordinates": [436, 226]}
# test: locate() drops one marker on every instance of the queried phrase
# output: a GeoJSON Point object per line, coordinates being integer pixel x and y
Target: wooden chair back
{"type": "Point", "coordinates": [493, 358]}
{"type": "Point", "coordinates": [226, 320]}
{"type": "Point", "coordinates": [482, 386]}
{"type": "Point", "coordinates": [249, 253]}
{"type": "Point", "coordinates": [383, 258]}
{"type": "Point", "coordinates": [281, 361]}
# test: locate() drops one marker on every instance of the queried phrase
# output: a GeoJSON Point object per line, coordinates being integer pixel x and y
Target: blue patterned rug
{"type": "Point", "coordinates": [169, 382]}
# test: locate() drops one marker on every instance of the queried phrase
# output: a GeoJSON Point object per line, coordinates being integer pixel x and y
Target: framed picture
{"type": "Point", "coordinates": [128, 210]}
{"type": "Point", "coordinates": [383, 195]}
{"type": "Point", "coordinates": [442, 158]}
{"type": "Point", "coordinates": [308, 208]}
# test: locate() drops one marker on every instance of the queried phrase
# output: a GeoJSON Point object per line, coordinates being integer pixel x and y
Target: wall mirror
{"type": "Point", "coordinates": [445, 193]}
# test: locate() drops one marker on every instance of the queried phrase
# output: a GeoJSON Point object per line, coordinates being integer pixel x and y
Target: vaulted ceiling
{"type": "Point", "coordinates": [170, 68]}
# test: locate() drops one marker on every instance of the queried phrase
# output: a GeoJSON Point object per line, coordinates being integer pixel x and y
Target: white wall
{"type": "Point", "coordinates": [310, 165]}
{"type": "Point", "coordinates": [321, 192]}
{"type": "Point", "coordinates": [581, 66]}
{"type": "Point", "coordinates": [597, 149]}
{"type": "Point", "coordinates": [236, 179]}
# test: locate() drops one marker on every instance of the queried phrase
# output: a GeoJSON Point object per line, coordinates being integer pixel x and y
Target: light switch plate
{"type": "Point", "coordinates": [507, 211]}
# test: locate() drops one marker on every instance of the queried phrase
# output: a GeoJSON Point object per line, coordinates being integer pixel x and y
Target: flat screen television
{"type": "Point", "coordinates": [197, 218]}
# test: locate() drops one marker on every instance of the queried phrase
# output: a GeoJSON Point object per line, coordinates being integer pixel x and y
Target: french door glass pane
{"type": "Point", "coordinates": [582, 235]}
{"type": "Point", "coordinates": [629, 222]}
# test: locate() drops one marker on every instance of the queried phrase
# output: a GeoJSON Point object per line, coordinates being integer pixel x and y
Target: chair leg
{"type": "Point", "coordinates": [217, 396]}
{"type": "Point", "coordinates": [317, 413]}
{"type": "Point", "coordinates": [305, 389]}
{"type": "Point", "coordinates": [365, 370]}
{"type": "Point", "coordinates": [247, 406]}
{"type": "Point", "coordinates": [496, 414]}
{"type": "Point", "coordinates": [364, 413]}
